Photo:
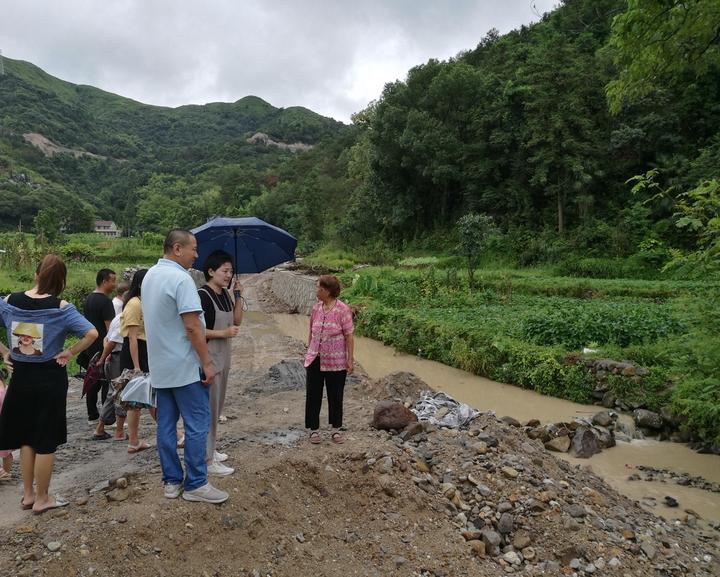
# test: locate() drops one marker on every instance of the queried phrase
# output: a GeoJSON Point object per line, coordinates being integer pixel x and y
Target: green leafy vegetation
{"type": "Point", "coordinates": [531, 331]}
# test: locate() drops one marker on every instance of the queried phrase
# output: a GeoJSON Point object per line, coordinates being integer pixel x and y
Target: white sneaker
{"type": "Point", "coordinates": [172, 491]}
{"type": "Point", "coordinates": [220, 457]}
{"type": "Point", "coordinates": [219, 469]}
{"type": "Point", "coordinates": [206, 494]}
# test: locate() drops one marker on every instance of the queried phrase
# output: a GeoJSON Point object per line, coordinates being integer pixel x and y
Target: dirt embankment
{"type": "Point", "coordinates": [480, 501]}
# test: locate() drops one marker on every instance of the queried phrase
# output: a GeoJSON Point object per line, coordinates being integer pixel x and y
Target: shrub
{"type": "Point", "coordinates": [603, 322]}
{"type": "Point", "coordinates": [698, 401]}
{"type": "Point", "coordinates": [78, 252]}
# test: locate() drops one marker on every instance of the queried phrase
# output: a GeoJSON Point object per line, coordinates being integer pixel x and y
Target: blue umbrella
{"type": "Point", "coordinates": [254, 244]}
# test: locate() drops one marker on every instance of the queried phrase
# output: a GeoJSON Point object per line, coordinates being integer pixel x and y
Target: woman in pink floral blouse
{"type": "Point", "coordinates": [329, 358]}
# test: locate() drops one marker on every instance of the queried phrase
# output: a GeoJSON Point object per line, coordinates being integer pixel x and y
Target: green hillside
{"type": "Point", "coordinates": [139, 141]}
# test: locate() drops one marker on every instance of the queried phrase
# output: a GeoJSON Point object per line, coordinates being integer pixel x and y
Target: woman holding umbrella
{"type": "Point", "coordinates": [223, 316]}
{"type": "Point", "coordinates": [329, 357]}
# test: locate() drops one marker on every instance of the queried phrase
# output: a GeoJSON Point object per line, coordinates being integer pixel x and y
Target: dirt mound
{"type": "Point", "coordinates": [287, 375]}
{"type": "Point", "coordinates": [482, 501]}
{"type": "Point", "coordinates": [403, 386]}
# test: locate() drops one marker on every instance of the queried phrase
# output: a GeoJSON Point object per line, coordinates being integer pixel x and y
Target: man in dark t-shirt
{"type": "Point", "coordinates": [99, 310]}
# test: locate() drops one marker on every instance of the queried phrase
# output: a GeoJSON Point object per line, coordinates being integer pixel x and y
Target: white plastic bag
{"type": "Point", "coordinates": [139, 393]}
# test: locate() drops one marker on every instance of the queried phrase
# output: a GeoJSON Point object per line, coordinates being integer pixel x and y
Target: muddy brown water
{"type": "Point", "coordinates": [614, 465]}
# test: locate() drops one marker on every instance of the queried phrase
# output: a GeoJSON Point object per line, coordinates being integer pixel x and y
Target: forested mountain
{"type": "Point", "coordinates": [589, 132]}
{"type": "Point", "coordinates": [197, 156]}
{"type": "Point", "coordinates": [520, 128]}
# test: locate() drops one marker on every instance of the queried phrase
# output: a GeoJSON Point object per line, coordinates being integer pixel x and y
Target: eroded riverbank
{"type": "Point", "coordinates": [614, 465]}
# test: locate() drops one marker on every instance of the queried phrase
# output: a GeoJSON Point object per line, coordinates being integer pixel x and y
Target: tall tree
{"type": "Point", "coordinates": [660, 41]}
{"type": "Point", "coordinates": [564, 110]}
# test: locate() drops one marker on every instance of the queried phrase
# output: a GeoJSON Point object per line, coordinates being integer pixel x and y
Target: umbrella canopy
{"type": "Point", "coordinates": [254, 244]}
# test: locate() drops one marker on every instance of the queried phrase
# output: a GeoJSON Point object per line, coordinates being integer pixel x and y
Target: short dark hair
{"type": "Point", "coordinates": [176, 236]}
{"type": "Point", "coordinates": [330, 283]}
{"type": "Point", "coordinates": [214, 261]}
{"type": "Point", "coordinates": [52, 275]}
{"type": "Point", "coordinates": [103, 275]}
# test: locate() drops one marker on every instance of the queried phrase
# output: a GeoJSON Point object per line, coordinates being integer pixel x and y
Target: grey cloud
{"type": "Point", "coordinates": [331, 56]}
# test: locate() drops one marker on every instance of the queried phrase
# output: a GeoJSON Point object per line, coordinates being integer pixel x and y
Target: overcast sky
{"type": "Point", "coordinates": [332, 56]}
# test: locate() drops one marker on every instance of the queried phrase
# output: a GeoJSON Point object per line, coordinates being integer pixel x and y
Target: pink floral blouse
{"type": "Point", "coordinates": [328, 332]}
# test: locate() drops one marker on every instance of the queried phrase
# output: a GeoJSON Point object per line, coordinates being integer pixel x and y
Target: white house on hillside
{"type": "Point", "coordinates": [107, 227]}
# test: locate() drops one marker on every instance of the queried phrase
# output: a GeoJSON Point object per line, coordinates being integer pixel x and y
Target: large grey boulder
{"type": "Point", "coordinates": [648, 419]}
{"type": "Point", "coordinates": [585, 443]}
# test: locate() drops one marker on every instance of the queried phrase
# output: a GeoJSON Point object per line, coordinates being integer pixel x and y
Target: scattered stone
{"type": "Point", "coordinates": [387, 485]}
{"type": "Point", "coordinates": [575, 510]}
{"type": "Point", "coordinates": [609, 399]}
{"type": "Point", "coordinates": [474, 535]}
{"type": "Point", "coordinates": [117, 495]}
{"type": "Point", "coordinates": [473, 480]}
{"type": "Point", "coordinates": [121, 482]}
{"type": "Point", "coordinates": [521, 541]}
{"type": "Point", "coordinates": [511, 421]}
{"type": "Point", "coordinates": [628, 534]}
{"type": "Point", "coordinates": [506, 523]}
{"type": "Point", "coordinates": [481, 447]}
{"type": "Point", "coordinates": [487, 439]}
{"type": "Point", "coordinates": [559, 444]}
{"type": "Point", "coordinates": [604, 418]}
{"type": "Point", "coordinates": [300, 538]}
{"type": "Point", "coordinates": [492, 542]}
{"type": "Point", "coordinates": [509, 472]}
{"type": "Point", "coordinates": [54, 546]}
{"type": "Point", "coordinates": [535, 506]}
{"type": "Point", "coordinates": [385, 465]}
{"type": "Point", "coordinates": [649, 550]}
{"type": "Point", "coordinates": [512, 557]}
{"type": "Point", "coordinates": [477, 547]}
{"type": "Point", "coordinates": [411, 430]}
{"type": "Point", "coordinates": [528, 553]}
{"type": "Point", "coordinates": [671, 502]}
{"type": "Point", "coordinates": [504, 507]}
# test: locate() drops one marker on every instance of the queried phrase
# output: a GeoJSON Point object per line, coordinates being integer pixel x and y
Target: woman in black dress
{"type": "Point", "coordinates": [33, 415]}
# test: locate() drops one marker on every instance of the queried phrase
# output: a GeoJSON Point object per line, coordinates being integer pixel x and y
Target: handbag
{"type": "Point", "coordinates": [139, 393]}
{"type": "Point", "coordinates": [93, 375]}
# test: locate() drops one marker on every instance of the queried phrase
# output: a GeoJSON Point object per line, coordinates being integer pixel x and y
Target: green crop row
{"type": "Point", "coordinates": [530, 331]}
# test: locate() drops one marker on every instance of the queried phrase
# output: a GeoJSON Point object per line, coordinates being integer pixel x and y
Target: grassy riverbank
{"type": "Point", "coordinates": [530, 329]}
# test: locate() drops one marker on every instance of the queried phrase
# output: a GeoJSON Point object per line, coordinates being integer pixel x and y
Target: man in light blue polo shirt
{"type": "Point", "coordinates": [177, 351]}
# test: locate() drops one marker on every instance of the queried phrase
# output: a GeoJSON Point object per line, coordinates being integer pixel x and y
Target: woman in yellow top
{"type": "Point", "coordinates": [134, 353]}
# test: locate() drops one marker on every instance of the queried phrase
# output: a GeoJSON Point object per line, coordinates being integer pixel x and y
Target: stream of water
{"type": "Point", "coordinates": [615, 465]}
